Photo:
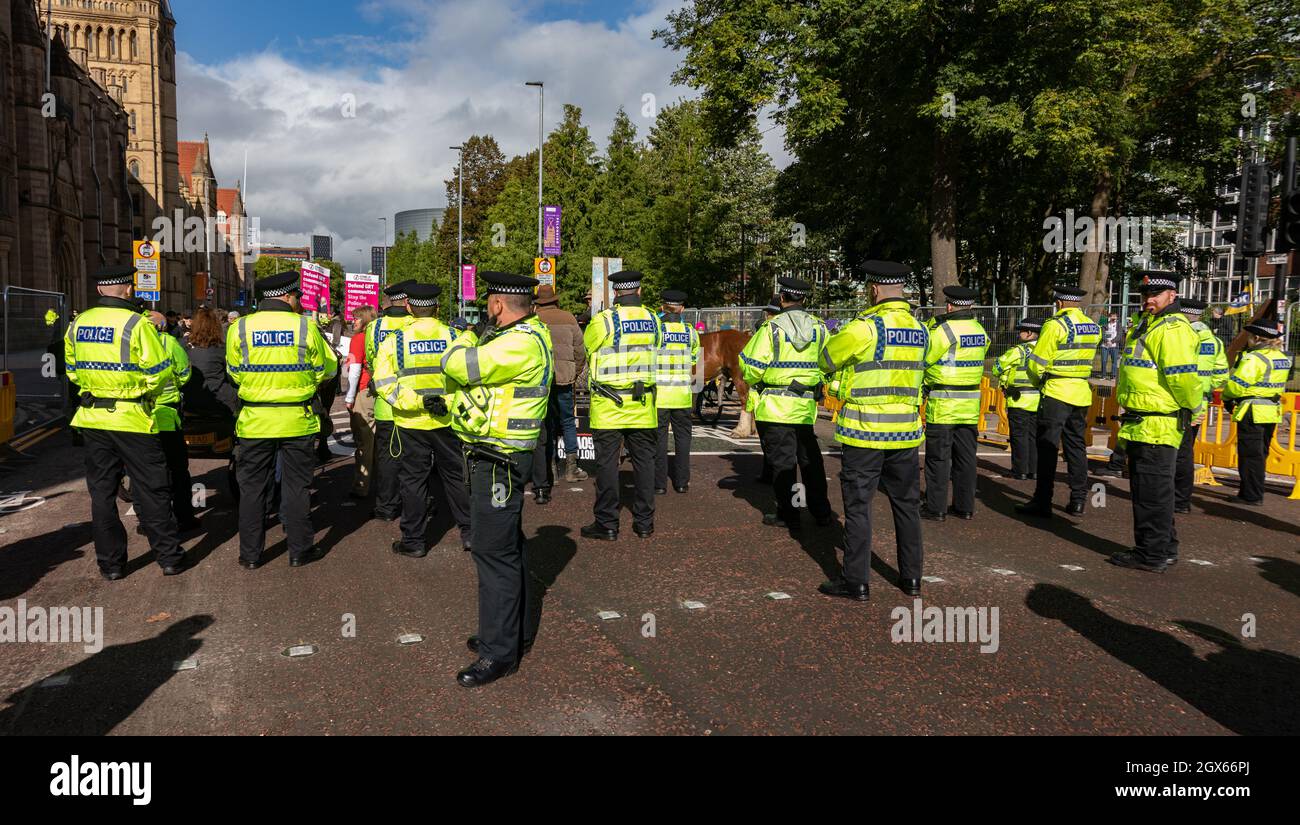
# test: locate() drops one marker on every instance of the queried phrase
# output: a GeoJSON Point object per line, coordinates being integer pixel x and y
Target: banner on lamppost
{"type": "Point", "coordinates": [551, 230]}
{"type": "Point", "coordinates": [359, 290]}
{"type": "Point", "coordinates": [468, 287]}
{"type": "Point", "coordinates": [601, 269]}
{"type": "Point", "coordinates": [315, 285]}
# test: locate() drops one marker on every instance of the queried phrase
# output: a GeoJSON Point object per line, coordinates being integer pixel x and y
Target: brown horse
{"type": "Point", "coordinates": [720, 359]}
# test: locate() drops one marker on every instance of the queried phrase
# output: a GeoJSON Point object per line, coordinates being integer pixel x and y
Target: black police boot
{"type": "Point", "coordinates": [661, 491]}
{"type": "Point", "coordinates": [682, 488]}
{"type": "Point", "coordinates": [1034, 508]}
{"type": "Point", "coordinates": [595, 531]}
{"type": "Point", "coordinates": [542, 495]}
{"type": "Point", "coordinates": [844, 589]}
{"type": "Point", "coordinates": [484, 672]}
{"type": "Point", "coordinates": [644, 532]}
{"type": "Point", "coordinates": [1182, 509]}
{"type": "Point", "coordinates": [930, 515]}
{"type": "Point", "coordinates": [312, 554]}
{"type": "Point", "coordinates": [1075, 508]}
{"type": "Point", "coordinates": [400, 549]}
{"type": "Point", "coordinates": [953, 511]}
{"type": "Point", "coordinates": [911, 587]}
{"type": "Point", "coordinates": [177, 567]}
{"type": "Point", "coordinates": [112, 575]}
{"type": "Point", "coordinates": [1133, 561]}
{"type": "Point", "coordinates": [777, 520]}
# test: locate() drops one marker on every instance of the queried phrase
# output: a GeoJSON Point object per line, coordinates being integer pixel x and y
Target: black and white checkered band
{"type": "Point", "coordinates": [1067, 295]}
{"type": "Point", "coordinates": [279, 292]}
{"type": "Point", "coordinates": [423, 302]}
{"type": "Point", "coordinates": [962, 302]}
{"type": "Point", "coordinates": [495, 289]}
{"type": "Point", "coordinates": [119, 280]}
{"type": "Point", "coordinates": [1158, 284]}
{"type": "Point", "coordinates": [1197, 311]}
{"type": "Point", "coordinates": [399, 296]}
{"type": "Point", "coordinates": [626, 286]}
{"type": "Point", "coordinates": [889, 280]}
{"type": "Point", "coordinates": [795, 293]}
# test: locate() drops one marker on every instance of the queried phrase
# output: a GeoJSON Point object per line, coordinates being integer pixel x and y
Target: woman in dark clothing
{"type": "Point", "coordinates": [210, 392]}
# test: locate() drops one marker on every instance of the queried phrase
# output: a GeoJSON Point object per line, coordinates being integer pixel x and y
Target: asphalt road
{"type": "Point", "coordinates": [1082, 647]}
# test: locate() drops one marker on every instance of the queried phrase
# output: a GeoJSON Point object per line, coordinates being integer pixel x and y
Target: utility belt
{"type": "Point", "coordinates": [305, 404]}
{"type": "Point", "coordinates": [952, 387]}
{"type": "Point", "coordinates": [814, 392]}
{"type": "Point", "coordinates": [93, 402]}
{"type": "Point", "coordinates": [485, 452]}
{"type": "Point", "coordinates": [638, 392]}
{"type": "Point", "coordinates": [1182, 415]}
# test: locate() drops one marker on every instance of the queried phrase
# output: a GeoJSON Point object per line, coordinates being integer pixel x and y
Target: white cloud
{"type": "Point", "coordinates": [453, 69]}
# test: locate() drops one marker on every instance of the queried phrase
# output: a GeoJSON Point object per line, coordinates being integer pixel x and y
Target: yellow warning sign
{"type": "Point", "coordinates": [544, 271]}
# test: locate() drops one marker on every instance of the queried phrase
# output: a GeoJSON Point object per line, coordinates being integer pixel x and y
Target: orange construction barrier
{"type": "Point", "coordinates": [1283, 454]}
{"type": "Point", "coordinates": [8, 405]}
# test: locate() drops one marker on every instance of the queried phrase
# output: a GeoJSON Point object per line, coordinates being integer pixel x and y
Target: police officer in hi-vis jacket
{"type": "Point", "coordinates": [673, 384]}
{"type": "Point", "coordinates": [1022, 401]}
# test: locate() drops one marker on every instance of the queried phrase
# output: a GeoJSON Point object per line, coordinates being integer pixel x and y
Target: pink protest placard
{"type": "Point", "coordinates": [315, 288]}
{"type": "Point", "coordinates": [359, 290]}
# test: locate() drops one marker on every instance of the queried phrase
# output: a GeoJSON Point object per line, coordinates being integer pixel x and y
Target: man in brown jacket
{"type": "Point", "coordinates": [570, 358]}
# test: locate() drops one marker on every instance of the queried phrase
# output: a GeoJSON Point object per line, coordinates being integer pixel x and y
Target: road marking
{"type": "Point", "coordinates": [692, 605]}
{"type": "Point", "coordinates": [186, 664]}
{"type": "Point", "coordinates": [932, 579]}
{"type": "Point", "coordinates": [1073, 568]}
{"type": "Point", "coordinates": [410, 639]}
{"type": "Point", "coordinates": [1002, 571]}
{"type": "Point", "coordinates": [608, 615]}
{"type": "Point", "coordinates": [778, 596]}
{"type": "Point", "coordinates": [296, 651]}
{"type": "Point", "coordinates": [1201, 562]}
{"type": "Point", "coordinates": [57, 680]}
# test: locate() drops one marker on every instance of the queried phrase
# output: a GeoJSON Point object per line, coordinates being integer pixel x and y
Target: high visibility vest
{"type": "Point", "coordinates": [51, 317]}
{"type": "Point", "coordinates": [503, 385]}
{"type": "Point", "coordinates": [879, 361]}
{"type": "Point", "coordinates": [679, 353]}
{"type": "Point", "coordinates": [1212, 359]}
{"type": "Point", "coordinates": [1258, 381]}
{"type": "Point", "coordinates": [954, 366]}
{"type": "Point", "coordinates": [376, 331]}
{"type": "Point", "coordinates": [621, 344]}
{"type": "Point", "coordinates": [1014, 379]}
{"type": "Point", "coordinates": [1158, 376]}
{"type": "Point", "coordinates": [408, 369]}
{"type": "Point", "coordinates": [115, 356]}
{"type": "Point", "coordinates": [278, 358]}
{"type": "Point", "coordinates": [167, 410]}
{"type": "Point", "coordinates": [784, 377]}
{"type": "Point", "coordinates": [1061, 363]}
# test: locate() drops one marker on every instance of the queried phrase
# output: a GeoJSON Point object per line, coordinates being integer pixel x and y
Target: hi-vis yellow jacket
{"type": "Point", "coordinates": [167, 412]}
{"type": "Point", "coordinates": [278, 358]}
{"type": "Point", "coordinates": [1157, 375]}
{"type": "Point", "coordinates": [1212, 359]}
{"type": "Point", "coordinates": [115, 356]}
{"type": "Point", "coordinates": [1014, 379]}
{"type": "Point", "coordinates": [408, 369]}
{"type": "Point", "coordinates": [1258, 381]}
{"type": "Point", "coordinates": [622, 343]}
{"type": "Point", "coordinates": [503, 384]}
{"type": "Point", "coordinates": [1062, 359]}
{"type": "Point", "coordinates": [680, 352]}
{"type": "Point", "coordinates": [954, 367]}
{"type": "Point", "coordinates": [780, 364]}
{"type": "Point", "coordinates": [878, 360]}
{"type": "Point", "coordinates": [393, 319]}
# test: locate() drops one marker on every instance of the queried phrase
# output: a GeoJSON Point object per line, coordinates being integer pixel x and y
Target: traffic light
{"type": "Point", "coordinates": [1288, 226]}
{"type": "Point", "coordinates": [1252, 211]}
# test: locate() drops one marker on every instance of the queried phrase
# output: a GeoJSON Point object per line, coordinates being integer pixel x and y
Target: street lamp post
{"type": "Point", "coordinates": [541, 109]}
{"type": "Point", "coordinates": [383, 245]}
{"type": "Point", "coordinates": [460, 226]}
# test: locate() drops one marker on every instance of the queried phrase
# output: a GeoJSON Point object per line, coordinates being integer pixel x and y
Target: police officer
{"type": "Point", "coordinates": [770, 311]}
{"type": "Point", "coordinates": [1212, 367]}
{"type": "Point", "coordinates": [503, 367]}
{"type": "Point", "coordinates": [1022, 401]}
{"type": "Point", "coordinates": [621, 344]}
{"type": "Point", "coordinates": [120, 365]}
{"type": "Point", "coordinates": [954, 366]}
{"type": "Point", "coordinates": [408, 376]}
{"type": "Point", "coordinates": [1060, 366]}
{"type": "Point", "coordinates": [278, 358]}
{"type": "Point", "coordinates": [1160, 393]}
{"type": "Point", "coordinates": [387, 496]}
{"type": "Point", "coordinates": [673, 397]}
{"type": "Point", "coordinates": [167, 415]}
{"type": "Point", "coordinates": [1254, 392]}
{"type": "Point", "coordinates": [780, 364]}
{"type": "Point", "coordinates": [878, 363]}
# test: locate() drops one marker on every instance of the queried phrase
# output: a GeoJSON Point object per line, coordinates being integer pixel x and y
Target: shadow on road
{"type": "Point", "coordinates": [27, 561]}
{"type": "Point", "coordinates": [1250, 692]}
{"type": "Point", "coordinates": [1282, 572]}
{"type": "Point", "coordinates": [993, 494]}
{"type": "Point", "coordinates": [104, 689]}
{"type": "Point", "coordinates": [548, 553]}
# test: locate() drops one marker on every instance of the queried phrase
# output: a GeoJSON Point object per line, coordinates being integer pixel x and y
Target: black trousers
{"type": "Point", "coordinates": [255, 471]}
{"type": "Point", "coordinates": [950, 453]}
{"type": "Point", "coordinates": [1064, 425]}
{"type": "Point", "coordinates": [388, 500]}
{"type": "Point", "coordinates": [423, 453]}
{"type": "Point", "coordinates": [178, 467]}
{"type": "Point", "coordinates": [496, 502]}
{"type": "Point", "coordinates": [898, 473]}
{"type": "Point", "coordinates": [1252, 454]}
{"type": "Point", "coordinates": [1024, 446]}
{"type": "Point", "coordinates": [110, 455]}
{"type": "Point", "coordinates": [1185, 474]}
{"type": "Point", "coordinates": [641, 444]}
{"type": "Point", "coordinates": [543, 475]}
{"type": "Point", "coordinates": [682, 429]}
{"type": "Point", "coordinates": [1151, 469]}
{"type": "Point", "coordinates": [791, 447]}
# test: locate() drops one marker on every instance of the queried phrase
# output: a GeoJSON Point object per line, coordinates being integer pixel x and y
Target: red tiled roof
{"type": "Point", "coordinates": [226, 200]}
{"type": "Point", "coordinates": [189, 151]}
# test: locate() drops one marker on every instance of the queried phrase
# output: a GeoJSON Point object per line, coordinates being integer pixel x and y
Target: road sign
{"type": "Point", "coordinates": [154, 296]}
{"type": "Point", "coordinates": [544, 271]}
{"type": "Point", "coordinates": [147, 268]}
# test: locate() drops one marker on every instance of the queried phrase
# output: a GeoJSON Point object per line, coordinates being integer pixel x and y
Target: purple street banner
{"type": "Point", "coordinates": [550, 230]}
{"type": "Point", "coordinates": [468, 290]}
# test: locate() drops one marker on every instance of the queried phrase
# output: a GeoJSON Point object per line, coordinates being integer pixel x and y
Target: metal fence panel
{"type": "Point", "coordinates": [32, 324]}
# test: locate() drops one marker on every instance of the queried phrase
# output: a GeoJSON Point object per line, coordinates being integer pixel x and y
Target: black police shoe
{"type": "Point", "coordinates": [112, 575]}
{"type": "Point", "coordinates": [661, 491]}
{"type": "Point", "coordinates": [542, 495]}
{"type": "Point", "coordinates": [377, 516]}
{"type": "Point", "coordinates": [775, 520]}
{"type": "Point", "coordinates": [930, 515]}
{"type": "Point", "coordinates": [1240, 500]}
{"type": "Point", "coordinates": [1016, 476]}
{"type": "Point", "coordinates": [250, 565]}
{"type": "Point", "coordinates": [595, 531]}
{"type": "Point", "coordinates": [400, 549]}
{"type": "Point", "coordinates": [1075, 508]}
{"type": "Point", "coordinates": [484, 672]}
{"type": "Point", "coordinates": [472, 644]}
{"type": "Point", "coordinates": [953, 511]}
{"type": "Point", "coordinates": [1133, 561]}
{"type": "Point", "coordinates": [465, 545]}
{"type": "Point", "coordinates": [682, 488]}
{"type": "Point", "coordinates": [1034, 508]}
{"type": "Point", "coordinates": [844, 589]}
{"type": "Point", "coordinates": [911, 587]}
{"type": "Point", "coordinates": [1183, 509]}
{"type": "Point", "coordinates": [644, 532]}
{"type": "Point", "coordinates": [313, 553]}
{"type": "Point", "coordinates": [177, 568]}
